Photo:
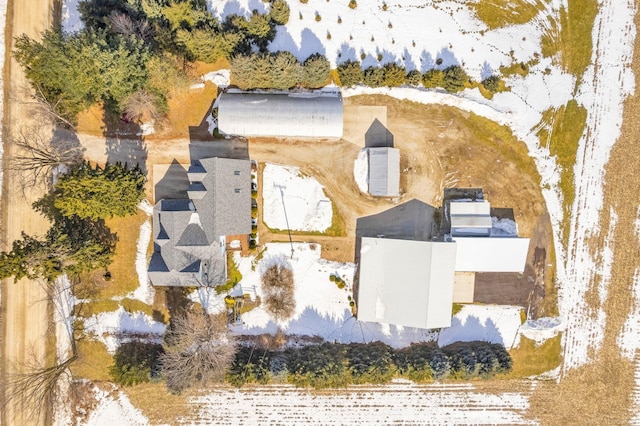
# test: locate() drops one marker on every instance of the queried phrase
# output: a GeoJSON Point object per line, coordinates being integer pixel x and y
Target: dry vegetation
{"type": "Point", "coordinates": [278, 287]}
{"type": "Point", "coordinates": [501, 13]}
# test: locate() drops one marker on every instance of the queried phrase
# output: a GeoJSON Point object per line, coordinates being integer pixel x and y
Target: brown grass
{"type": "Point", "coordinates": [91, 121]}
{"type": "Point", "coordinates": [157, 404]}
{"type": "Point", "coordinates": [93, 361]}
{"type": "Point", "coordinates": [530, 359]}
{"type": "Point", "coordinates": [501, 13]}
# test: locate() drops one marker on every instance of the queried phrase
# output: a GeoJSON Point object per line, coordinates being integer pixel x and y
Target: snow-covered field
{"type": "Point", "coordinates": [400, 403]}
{"type": "Point", "coordinates": [294, 201]}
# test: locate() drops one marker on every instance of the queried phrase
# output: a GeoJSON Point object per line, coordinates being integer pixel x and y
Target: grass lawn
{"type": "Point", "coordinates": [571, 37]}
{"type": "Point", "coordinates": [501, 13]}
{"type": "Point", "coordinates": [93, 361]}
{"type": "Point", "coordinates": [530, 360]}
{"type": "Point", "coordinates": [560, 130]}
{"type": "Point", "coordinates": [157, 403]}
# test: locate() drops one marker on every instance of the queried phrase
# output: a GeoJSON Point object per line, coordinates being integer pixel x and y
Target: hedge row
{"type": "Point", "coordinates": [280, 70]}
{"type": "Point", "coordinates": [452, 79]}
{"type": "Point", "coordinates": [337, 365]}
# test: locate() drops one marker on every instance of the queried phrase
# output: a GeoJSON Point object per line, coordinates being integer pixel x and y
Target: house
{"type": "Point", "coordinates": [317, 114]}
{"type": "Point", "coordinates": [411, 271]}
{"type": "Point", "coordinates": [191, 234]}
{"type": "Point", "coordinates": [384, 172]}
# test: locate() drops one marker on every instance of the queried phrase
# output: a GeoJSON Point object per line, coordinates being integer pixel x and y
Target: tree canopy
{"type": "Point", "coordinates": [98, 193]}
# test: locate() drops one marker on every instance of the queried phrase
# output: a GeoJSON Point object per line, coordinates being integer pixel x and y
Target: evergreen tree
{"type": "Point", "coordinates": [374, 77]}
{"type": "Point", "coordinates": [433, 78]}
{"type": "Point", "coordinates": [414, 78]}
{"type": "Point", "coordinates": [93, 192]}
{"type": "Point", "coordinates": [319, 366]}
{"type": "Point", "coordinates": [285, 70]}
{"type": "Point", "coordinates": [394, 74]}
{"type": "Point", "coordinates": [135, 362]}
{"type": "Point", "coordinates": [315, 71]}
{"type": "Point", "coordinates": [491, 83]}
{"type": "Point", "coordinates": [251, 365]}
{"type": "Point", "coordinates": [279, 12]}
{"type": "Point", "coordinates": [370, 363]}
{"type": "Point", "coordinates": [454, 78]}
{"type": "Point", "coordinates": [350, 73]}
{"type": "Point", "coordinates": [439, 364]}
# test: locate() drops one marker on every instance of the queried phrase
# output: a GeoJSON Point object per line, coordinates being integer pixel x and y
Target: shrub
{"type": "Point", "coordinates": [439, 364]}
{"type": "Point", "coordinates": [491, 83]}
{"type": "Point", "coordinates": [414, 361]}
{"type": "Point", "coordinates": [433, 78]}
{"type": "Point", "coordinates": [304, 1]}
{"type": "Point", "coordinates": [413, 77]}
{"type": "Point", "coordinates": [353, 4]}
{"type": "Point", "coordinates": [394, 74]}
{"type": "Point", "coordinates": [278, 286]}
{"type": "Point", "coordinates": [454, 78]}
{"type": "Point", "coordinates": [315, 71]}
{"type": "Point", "coordinates": [135, 362]}
{"type": "Point", "coordinates": [339, 20]}
{"type": "Point", "coordinates": [319, 366]}
{"type": "Point", "coordinates": [350, 73]}
{"type": "Point", "coordinates": [370, 363]}
{"type": "Point", "coordinates": [251, 365]}
{"type": "Point", "coordinates": [374, 77]}
{"type": "Point", "coordinates": [332, 278]}
{"type": "Point", "coordinates": [318, 17]}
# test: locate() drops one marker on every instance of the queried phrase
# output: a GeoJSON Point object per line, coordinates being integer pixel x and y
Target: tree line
{"type": "Point", "coordinates": [133, 47]}
{"type": "Point", "coordinates": [326, 365]}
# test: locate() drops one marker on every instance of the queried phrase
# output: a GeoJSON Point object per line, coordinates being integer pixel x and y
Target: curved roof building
{"type": "Point", "coordinates": [281, 114]}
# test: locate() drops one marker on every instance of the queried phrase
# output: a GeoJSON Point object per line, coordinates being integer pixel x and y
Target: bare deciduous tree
{"type": "Point", "coordinates": [40, 151]}
{"type": "Point", "coordinates": [198, 349]}
{"type": "Point", "coordinates": [278, 286]}
{"type": "Point", "coordinates": [122, 23]}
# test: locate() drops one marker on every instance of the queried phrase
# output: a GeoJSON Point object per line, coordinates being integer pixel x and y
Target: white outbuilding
{"type": "Point", "coordinates": [317, 114]}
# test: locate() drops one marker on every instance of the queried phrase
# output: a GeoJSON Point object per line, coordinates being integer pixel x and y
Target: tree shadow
{"type": "Point", "coordinates": [125, 141]}
{"type": "Point", "coordinates": [471, 330]}
{"type": "Point", "coordinates": [486, 70]}
{"type": "Point", "coordinates": [426, 62]}
{"type": "Point", "coordinates": [378, 136]}
{"type": "Point", "coordinates": [409, 64]}
{"type": "Point", "coordinates": [446, 58]}
{"type": "Point", "coordinates": [346, 53]}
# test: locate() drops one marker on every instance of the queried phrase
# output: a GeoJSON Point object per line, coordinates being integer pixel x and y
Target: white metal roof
{"type": "Point", "coordinates": [469, 208]}
{"type": "Point", "coordinates": [476, 254]}
{"type": "Point", "coordinates": [281, 114]}
{"type": "Point", "coordinates": [408, 283]}
{"type": "Point", "coordinates": [384, 172]}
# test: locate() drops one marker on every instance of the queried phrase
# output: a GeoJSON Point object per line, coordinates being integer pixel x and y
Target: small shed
{"type": "Point", "coordinates": [317, 114]}
{"type": "Point", "coordinates": [384, 172]}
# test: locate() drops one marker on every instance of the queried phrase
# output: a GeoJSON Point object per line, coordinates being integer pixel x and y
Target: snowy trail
{"type": "Point", "coordinates": [398, 403]}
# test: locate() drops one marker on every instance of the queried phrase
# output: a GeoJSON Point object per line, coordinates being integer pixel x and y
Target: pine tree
{"type": "Point", "coordinates": [315, 71]}
{"type": "Point", "coordinates": [350, 73]}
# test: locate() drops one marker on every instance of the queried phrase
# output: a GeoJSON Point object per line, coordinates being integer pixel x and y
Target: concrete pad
{"type": "Point", "coordinates": [463, 287]}
{"type": "Point", "coordinates": [360, 124]}
{"type": "Point", "coordinates": [170, 181]}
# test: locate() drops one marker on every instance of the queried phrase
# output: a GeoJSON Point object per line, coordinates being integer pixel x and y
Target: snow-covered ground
{"type": "Point", "coordinates": [361, 171]}
{"type": "Point", "coordinates": [111, 327]}
{"type": "Point", "coordinates": [115, 409]}
{"type": "Point", "coordinates": [294, 201]}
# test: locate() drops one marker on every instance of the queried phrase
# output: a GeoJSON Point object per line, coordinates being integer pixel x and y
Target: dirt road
{"type": "Point", "coordinates": [25, 309]}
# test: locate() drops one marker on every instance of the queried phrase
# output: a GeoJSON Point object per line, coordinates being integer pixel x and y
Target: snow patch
{"type": "Point", "coordinates": [115, 409]}
{"type": "Point", "coordinates": [541, 329]}
{"type": "Point", "coordinates": [146, 129]}
{"type": "Point", "coordinates": [361, 171]}
{"type": "Point", "coordinates": [221, 78]}
{"type": "Point", "coordinates": [294, 201]}
{"type": "Point", "coordinates": [489, 323]}
{"type": "Point", "coordinates": [503, 227]}
{"type": "Point", "coordinates": [113, 327]}
{"type": "Point", "coordinates": [145, 291]}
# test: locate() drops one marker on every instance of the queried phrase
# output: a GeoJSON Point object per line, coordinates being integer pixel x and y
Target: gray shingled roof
{"type": "Point", "coordinates": [384, 172]}
{"type": "Point", "coordinates": [188, 249]}
{"type": "Point", "coordinates": [281, 114]}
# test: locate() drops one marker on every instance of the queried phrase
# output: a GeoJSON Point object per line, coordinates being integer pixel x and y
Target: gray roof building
{"type": "Point", "coordinates": [189, 234]}
{"type": "Point", "coordinates": [315, 114]}
{"type": "Point", "coordinates": [384, 172]}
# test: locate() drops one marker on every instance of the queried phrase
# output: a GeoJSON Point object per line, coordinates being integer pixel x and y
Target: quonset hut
{"type": "Point", "coordinates": [315, 114]}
